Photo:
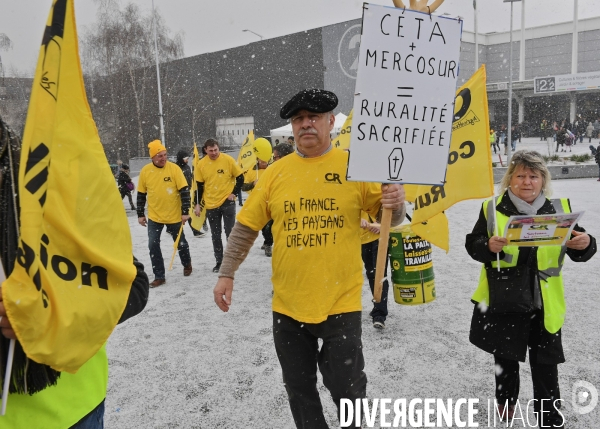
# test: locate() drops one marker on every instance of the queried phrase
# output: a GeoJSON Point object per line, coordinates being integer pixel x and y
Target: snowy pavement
{"type": "Point", "coordinates": [182, 363]}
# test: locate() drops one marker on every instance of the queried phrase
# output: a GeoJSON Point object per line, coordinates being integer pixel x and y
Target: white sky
{"type": "Point", "coordinates": [213, 25]}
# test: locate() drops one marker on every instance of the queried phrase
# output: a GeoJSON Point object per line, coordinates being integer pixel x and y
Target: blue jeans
{"type": "Point", "coordinates": [369, 257]}
{"type": "Point", "coordinates": [94, 420]}
{"type": "Point", "coordinates": [226, 212]}
{"type": "Point", "coordinates": [158, 263]}
{"type": "Point", "coordinates": [513, 145]}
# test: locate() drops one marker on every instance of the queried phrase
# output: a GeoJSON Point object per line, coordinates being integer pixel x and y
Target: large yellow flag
{"type": "Point", "coordinates": [343, 140]}
{"type": "Point", "coordinates": [197, 221]}
{"type": "Point", "coordinates": [74, 265]}
{"type": "Point", "coordinates": [469, 174]}
{"type": "Point", "coordinates": [247, 156]}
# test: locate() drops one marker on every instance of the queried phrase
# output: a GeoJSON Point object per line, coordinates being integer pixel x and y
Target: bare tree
{"type": "Point", "coordinates": [5, 45]}
{"type": "Point", "coordinates": [117, 57]}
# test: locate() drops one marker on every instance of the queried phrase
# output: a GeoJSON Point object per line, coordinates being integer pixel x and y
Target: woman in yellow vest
{"type": "Point", "coordinates": [534, 323]}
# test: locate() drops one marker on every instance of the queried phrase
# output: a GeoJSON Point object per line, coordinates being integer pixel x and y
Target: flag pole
{"type": "Point", "coordinates": [384, 234]}
{"type": "Point", "coordinates": [7, 375]}
{"type": "Point", "coordinates": [160, 112]}
{"type": "Point", "coordinates": [175, 246]}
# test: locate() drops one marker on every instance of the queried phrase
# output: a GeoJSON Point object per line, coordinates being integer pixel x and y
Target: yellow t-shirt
{"type": "Point", "coordinates": [218, 177]}
{"type": "Point", "coordinates": [317, 267]}
{"type": "Point", "coordinates": [162, 186]}
{"type": "Point", "coordinates": [251, 176]}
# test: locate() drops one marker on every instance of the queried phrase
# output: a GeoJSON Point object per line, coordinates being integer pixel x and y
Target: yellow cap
{"type": "Point", "coordinates": [155, 147]}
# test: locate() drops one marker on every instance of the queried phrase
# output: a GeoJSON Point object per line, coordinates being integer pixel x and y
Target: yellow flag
{"type": "Point", "coordinates": [435, 229]}
{"type": "Point", "coordinates": [74, 264]}
{"type": "Point", "coordinates": [197, 221]}
{"type": "Point", "coordinates": [469, 174]}
{"type": "Point", "coordinates": [343, 140]}
{"type": "Point", "coordinates": [247, 156]}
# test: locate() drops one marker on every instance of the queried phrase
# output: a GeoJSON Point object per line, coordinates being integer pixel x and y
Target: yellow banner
{"type": "Point", "coordinates": [247, 156]}
{"type": "Point", "coordinates": [343, 140]}
{"type": "Point", "coordinates": [469, 174]}
{"type": "Point", "coordinates": [74, 266]}
{"type": "Point", "coordinates": [197, 221]}
{"type": "Point", "coordinates": [435, 229]}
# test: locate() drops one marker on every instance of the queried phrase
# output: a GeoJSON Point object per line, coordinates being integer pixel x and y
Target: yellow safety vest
{"type": "Point", "coordinates": [62, 405]}
{"type": "Point", "coordinates": [549, 260]}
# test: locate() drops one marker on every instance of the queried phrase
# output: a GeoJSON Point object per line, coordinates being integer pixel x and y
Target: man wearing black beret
{"type": "Point", "coordinates": [317, 269]}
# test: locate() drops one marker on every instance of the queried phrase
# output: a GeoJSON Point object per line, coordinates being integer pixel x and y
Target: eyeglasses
{"type": "Point", "coordinates": [312, 118]}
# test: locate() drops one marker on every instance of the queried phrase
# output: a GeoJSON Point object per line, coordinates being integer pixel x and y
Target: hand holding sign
{"type": "Point", "coordinates": [420, 5]}
{"type": "Point", "coordinates": [392, 198]}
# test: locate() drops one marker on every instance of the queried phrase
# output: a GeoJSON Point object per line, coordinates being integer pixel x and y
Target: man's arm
{"type": "Point", "coordinates": [239, 243]}
{"type": "Point", "coordinates": [186, 200]}
{"type": "Point", "coordinates": [138, 295]}
{"type": "Point", "coordinates": [199, 193]}
{"type": "Point", "coordinates": [141, 204]}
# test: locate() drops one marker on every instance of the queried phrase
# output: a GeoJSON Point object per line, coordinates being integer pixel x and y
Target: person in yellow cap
{"type": "Point", "coordinates": [163, 184]}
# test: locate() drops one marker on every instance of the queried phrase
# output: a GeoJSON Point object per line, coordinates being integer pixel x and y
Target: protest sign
{"type": "Point", "coordinates": [540, 230]}
{"type": "Point", "coordinates": [403, 104]}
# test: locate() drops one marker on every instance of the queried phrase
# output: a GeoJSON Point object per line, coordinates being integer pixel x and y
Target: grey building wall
{"type": "Point", "coordinates": [589, 51]}
{"type": "Point", "coordinates": [251, 80]}
{"type": "Point", "coordinates": [340, 53]}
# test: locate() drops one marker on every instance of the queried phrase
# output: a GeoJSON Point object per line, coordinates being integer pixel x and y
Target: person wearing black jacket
{"type": "Point", "coordinates": [125, 184]}
{"type": "Point", "coordinates": [508, 336]}
{"type": "Point", "coordinates": [182, 161]}
{"type": "Point", "coordinates": [597, 159]}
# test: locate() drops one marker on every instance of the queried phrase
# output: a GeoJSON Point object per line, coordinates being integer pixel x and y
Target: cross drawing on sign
{"type": "Point", "coordinates": [395, 161]}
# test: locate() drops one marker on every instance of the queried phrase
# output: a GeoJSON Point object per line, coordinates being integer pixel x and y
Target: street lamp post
{"type": "Point", "coordinates": [509, 126]}
{"type": "Point", "coordinates": [160, 111]}
{"type": "Point", "coordinates": [250, 31]}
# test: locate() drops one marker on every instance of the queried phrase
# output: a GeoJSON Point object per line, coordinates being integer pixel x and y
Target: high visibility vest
{"type": "Point", "coordinates": [62, 405]}
{"type": "Point", "coordinates": [549, 263]}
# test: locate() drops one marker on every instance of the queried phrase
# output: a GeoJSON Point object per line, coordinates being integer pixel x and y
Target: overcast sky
{"type": "Point", "coordinates": [213, 25]}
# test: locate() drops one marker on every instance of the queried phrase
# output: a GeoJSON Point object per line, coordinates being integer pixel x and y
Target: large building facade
{"type": "Point", "coordinates": [242, 88]}
{"type": "Point", "coordinates": [251, 82]}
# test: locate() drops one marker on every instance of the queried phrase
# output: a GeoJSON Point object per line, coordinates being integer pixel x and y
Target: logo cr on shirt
{"type": "Point", "coordinates": [333, 177]}
{"type": "Point", "coordinates": [167, 179]}
{"type": "Point", "coordinates": [220, 171]}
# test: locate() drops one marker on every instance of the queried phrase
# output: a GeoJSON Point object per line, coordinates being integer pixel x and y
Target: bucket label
{"type": "Point", "coordinates": [407, 293]}
{"type": "Point", "coordinates": [417, 254]}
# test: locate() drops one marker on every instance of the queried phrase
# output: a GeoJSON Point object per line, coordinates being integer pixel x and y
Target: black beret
{"type": "Point", "coordinates": [313, 100]}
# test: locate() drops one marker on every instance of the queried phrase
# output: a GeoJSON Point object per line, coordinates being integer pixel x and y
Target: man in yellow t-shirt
{"type": "Point", "coordinates": [219, 179]}
{"type": "Point", "coordinates": [163, 184]}
{"type": "Point", "coordinates": [317, 278]}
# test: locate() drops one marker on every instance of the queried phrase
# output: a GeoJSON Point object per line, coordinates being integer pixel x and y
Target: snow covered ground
{"type": "Point", "coordinates": [182, 363]}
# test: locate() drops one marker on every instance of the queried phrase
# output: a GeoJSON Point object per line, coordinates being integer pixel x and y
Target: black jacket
{"type": "Point", "coordinates": [185, 168]}
{"type": "Point", "coordinates": [508, 335]}
{"type": "Point", "coordinates": [122, 180]}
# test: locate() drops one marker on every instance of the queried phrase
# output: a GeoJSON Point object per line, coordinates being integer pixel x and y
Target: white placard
{"type": "Point", "coordinates": [404, 97]}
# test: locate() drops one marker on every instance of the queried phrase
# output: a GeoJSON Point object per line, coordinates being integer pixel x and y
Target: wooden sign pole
{"type": "Point", "coordinates": [382, 253]}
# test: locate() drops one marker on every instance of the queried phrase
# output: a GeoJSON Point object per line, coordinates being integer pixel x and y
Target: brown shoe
{"type": "Point", "coordinates": [157, 282]}
{"type": "Point", "coordinates": [187, 270]}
